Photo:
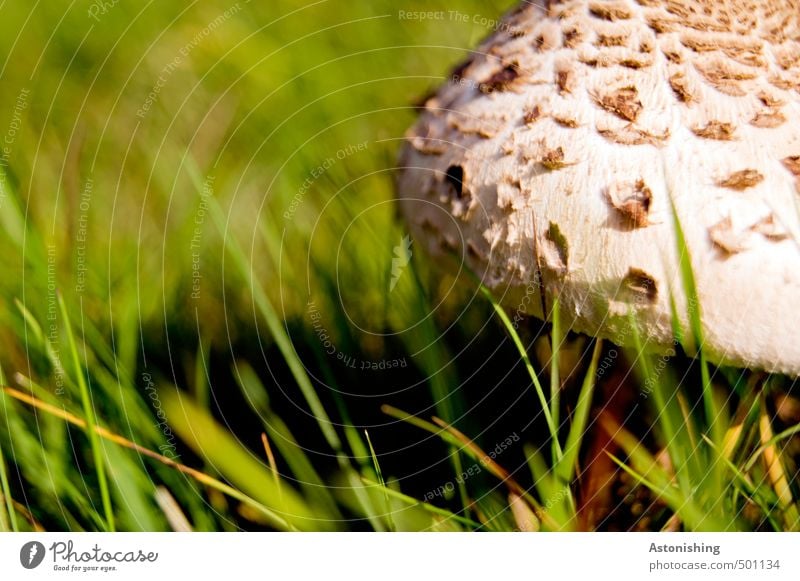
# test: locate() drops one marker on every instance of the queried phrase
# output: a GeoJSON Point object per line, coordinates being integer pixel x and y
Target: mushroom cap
{"type": "Point", "coordinates": [557, 159]}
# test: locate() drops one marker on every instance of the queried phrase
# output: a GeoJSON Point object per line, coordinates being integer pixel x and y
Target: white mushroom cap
{"type": "Point", "coordinates": [551, 160]}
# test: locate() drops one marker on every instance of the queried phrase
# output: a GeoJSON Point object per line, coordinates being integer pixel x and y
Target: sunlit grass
{"type": "Point", "coordinates": [143, 377]}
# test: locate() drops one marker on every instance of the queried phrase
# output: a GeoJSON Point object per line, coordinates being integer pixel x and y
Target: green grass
{"type": "Point", "coordinates": [91, 421]}
{"type": "Point", "coordinates": [188, 302]}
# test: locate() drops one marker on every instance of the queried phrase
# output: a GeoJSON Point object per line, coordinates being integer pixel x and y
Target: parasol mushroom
{"type": "Point", "coordinates": [558, 157]}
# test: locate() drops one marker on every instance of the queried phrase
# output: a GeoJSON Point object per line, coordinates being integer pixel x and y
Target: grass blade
{"type": "Point", "coordinates": [555, 379]}
{"type": "Point", "coordinates": [552, 427]}
{"type": "Point", "coordinates": [714, 416]}
{"type": "Point", "coordinates": [380, 479]}
{"type": "Point", "coordinates": [666, 417]}
{"type": "Point", "coordinates": [91, 421]}
{"type": "Point", "coordinates": [411, 501]}
{"type": "Point", "coordinates": [8, 517]}
{"type": "Point", "coordinates": [555, 495]}
{"type": "Point", "coordinates": [272, 465]}
{"type": "Point", "coordinates": [11, 519]}
{"type": "Point", "coordinates": [565, 469]}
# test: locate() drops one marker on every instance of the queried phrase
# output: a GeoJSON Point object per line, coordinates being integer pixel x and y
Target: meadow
{"type": "Point", "coordinates": [213, 318]}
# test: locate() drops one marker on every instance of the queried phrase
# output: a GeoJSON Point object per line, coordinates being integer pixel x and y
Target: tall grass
{"type": "Point", "coordinates": [177, 378]}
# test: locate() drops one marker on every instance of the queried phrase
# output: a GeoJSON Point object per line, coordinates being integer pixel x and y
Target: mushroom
{"type": "Point", "coordinates": [558, 157]}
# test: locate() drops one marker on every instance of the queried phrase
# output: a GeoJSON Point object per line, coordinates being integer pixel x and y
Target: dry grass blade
{"type": "Point", "coordinates": [776, 473]}
{"type": "Point", "coordinates": [524, 517]}
{"type": "Point", "coordinates": [497, 471]}
{"type": "Point", "coordinates": [482, 456]}
{"type": "Point", "coordinates": [172, 510]}
{"type": "Point", "coordinates": [23, 510]}
{"type": "Point", "coordinates": [271, 459]}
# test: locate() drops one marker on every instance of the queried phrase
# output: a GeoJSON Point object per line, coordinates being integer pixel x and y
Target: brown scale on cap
{"type": "Point", "coordinates": [548, 39]}
{"type": "Point", "coordinates": [628, 60]}
{"type": "Point", "coordinates": [501, 80]}
{"type": "Point", "coordinates": [788, 83]}
{"type": "Point", "coordinates": [569, 122]}
{"type": "Point", "coordinates": [636, 62]}
{"type": "Point", "coordinates": [771, 229]}
{"type": "Point", "coordinates": [673, 54]}
{"type": "Point", "coordinates": [482, 127]}
{"type": "Point", "coordinates": [611, 10]}
{"type": "Point", "coordinates": [725, 238]}
{"type": "Point", "coordinates": [553, 158]}
{"type": "Point", "coordinates": [550, 158]}
{"type": "Point", "coordinates": [718, 130]}
{"type": "Point", "coordinates": [731, 240]}
{"type": "Point", "coordinates": [508, 194]}
{"type": "Point", "coordinates": [680, 9]}
{"type": "Point", "coordinates": [532, 115]}
{"type": "Point", "coordinates": [641, 286]}
{"type": "Point", "coordinates": [631, 135]}
{"type": "Point", "coordinates": [641, 59]}
{"type": "Point", "coordinates": [680, 85]}
{"type": "Point", "coordinates": [555, 250]}
{"type": "Point", "coordinates": [768, 119]}
{"type": "Point", "coordinates": [770, 100]}
{"type": "Point", "coordinates": [623, 102]}
{"type": "Point", "coordinates": [792, 163]}
{"type": "Point", "coordinates": [573, 37]}
{"type": "Point", "coordinates": [612, 39]}
{"type": "Point", "coordinates": [742, 180]}
{"type": "Point", "coordinates": [632, 201]}
{"type": "Point", "coordinates": [565, 79]}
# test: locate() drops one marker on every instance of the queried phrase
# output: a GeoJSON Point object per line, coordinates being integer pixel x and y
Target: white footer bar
{"type": "Point", "coordinates": [399, 556]}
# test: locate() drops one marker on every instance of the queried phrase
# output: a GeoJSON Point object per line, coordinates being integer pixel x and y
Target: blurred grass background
{"type": "Point", "coordinates": [208, 188]}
